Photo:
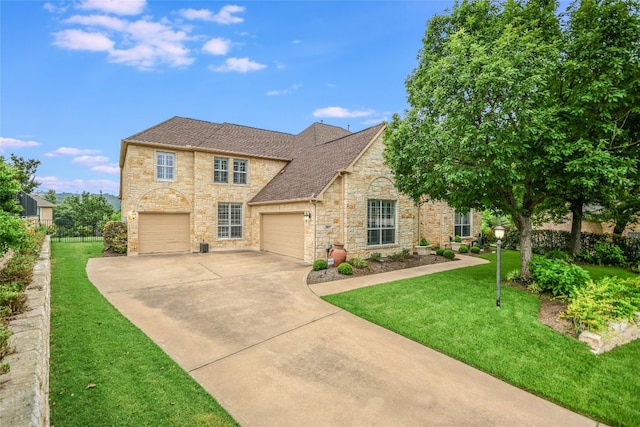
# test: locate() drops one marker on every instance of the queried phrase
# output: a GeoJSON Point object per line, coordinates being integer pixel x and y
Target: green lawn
{"type": "Point", "coordinates": [454, 312]}
{"type": "Point", "coordinates": [104, 370]}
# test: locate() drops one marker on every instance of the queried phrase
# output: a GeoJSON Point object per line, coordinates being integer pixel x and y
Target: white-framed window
{"type": "Point", "coordinates": [381, 222]}
{"type": "Point", "coordinates": [462, 226]}
{"type": "Point", "coordinates": [220, 169]}
{"type": "Point", "coordinates": [239, 171]}
{"type": "Point", "coordinates": [229, 220]}
{"type": "Point", "coordinates": [165, 166]}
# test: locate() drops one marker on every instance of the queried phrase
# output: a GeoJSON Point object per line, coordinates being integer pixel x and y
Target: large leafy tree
{"type": "Point", "coordinates": [85, 210]}
{"type": "Point", "coordinates": [25, 172]}
{"type": "Point", "coordinates": [483, 128]}
{"type": "Point", "coordinates": [599, 96]}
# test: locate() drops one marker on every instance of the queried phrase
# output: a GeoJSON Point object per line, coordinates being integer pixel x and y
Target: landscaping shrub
{"type": "Point", "coordinates": [439, 251]}
{"type": "Point", "coordinates": [463, 249]}
{"type": "Point", "coordinates": [13, 231]}
{"type": "Point", "coordinates": [18, 269]}
{"type": "Point", "coordinates": [114, 236]}
{"type": "Point", "coordinates": [320, 264]}
{"type": "Point", "coordinates": [475, 249]}
{"type": "Point", "coordinates": [376, 256]}
{"type": "Point", "coordinates": [424, 242]}
{"type": "Point", "coordinates": [345, 268]}
{"type": "Point", "coordinates": [449, 254]}
{"type": "Point", "coordinates": [358, 263]}
{"type": "Point", "coordinates": [400, 256]}
{"type": "Point", "coordinates": [557, 254]}
{"type": "Point", "coordinates": [457, 239]}
{"type": "Point", "coordinates": [558, 276]}
{"type": "Point", "coordinates": [4, 347]}
{"type": "Point", "coordinates": [608, 254]}
{"type": "Point", "coordinates": [608, 300]}
{"type": "Point", "coordinates": [14, 300]}
{"type": "Point", "coordinates": [514, 275]}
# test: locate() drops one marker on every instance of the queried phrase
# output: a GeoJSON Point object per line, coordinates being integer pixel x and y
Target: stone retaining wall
{"type": "Point", "coordinates": [24, 391]}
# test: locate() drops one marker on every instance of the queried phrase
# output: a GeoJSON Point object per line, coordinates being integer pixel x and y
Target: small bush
{"type": "Point", "coordinates": [358, 263]}
{"type": "Point", "coordinates": [5, 333]}
{"type": "Point", "coordinates": [608, 300]}
{"type": "Point", "coordinates": [558, 276]}
{"type": "Point", "coordinates": [608, 254]}
{"type": "Point", "coordinates": [449, 254]}
{"type": "Point", "coordinates": [534, 288]}
{"type": "Point", "coordinates": [376, 256]}
{"type": "Point", "coordinates": [424, 242]}
{"type": "Point", "coordinates": [457, 239]}
{"type": "Point", "coordinates": [475, 249]}
{"type": "Point", "coordinates": [463, 249]}
{"type": "Point", "coordinates": [400, 256]}
{"type": "Point", "coordinates": [114, 236]}
{"type": "Point", "coordinates": [320, 264]}
{"type": "Point", "coordinates": [18, 269]}
{"type": "Point", "coordinates": [557, 254]}
{"type": "Point", "coordinates": [440, 251]}
{"type": "Point", "coordinates": [514, 275]}
{"type": "Point", "coordinates": [345, 268]}
{"type": "Point", "coordinates": [14, 301]}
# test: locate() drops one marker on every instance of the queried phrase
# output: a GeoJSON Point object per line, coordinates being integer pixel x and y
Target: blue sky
{"type": "Point", "coordinates": [77, 77]}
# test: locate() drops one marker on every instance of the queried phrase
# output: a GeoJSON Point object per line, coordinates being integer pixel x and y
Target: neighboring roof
{"type": "Point", "coordinates": [316, 155]}
{"type": "Point", "coordinates": [42, 203]}
{"type": "Point", "coordinates": [316, 166]}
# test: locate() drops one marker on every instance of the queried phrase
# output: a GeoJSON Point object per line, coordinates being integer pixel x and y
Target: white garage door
{"type": "Point", "coordinates": [163, 232]}
{"type": "Point", "coordinates": [283, 234]}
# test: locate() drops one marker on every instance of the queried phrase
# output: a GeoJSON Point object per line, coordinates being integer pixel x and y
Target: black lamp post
{"type": "Point", "coordinates": [499, 232]}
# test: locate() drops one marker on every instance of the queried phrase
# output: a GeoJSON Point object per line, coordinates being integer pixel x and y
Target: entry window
{"type": "Point", "coordinates": [220, 169]}
{"type": "Point", "coordinates": [229, 220]}
{"type": "Point", "coordinates": [463, 224]}
{"type": "Point", "coordinates": [381, 222]}
{"type": "Point", "coordinates": [239, 171]}
{"type": "Point", "coordinates": [165, 166]}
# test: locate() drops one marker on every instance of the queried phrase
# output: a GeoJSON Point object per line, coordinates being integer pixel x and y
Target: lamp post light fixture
{"type": "Point", "coordinates": [499, 232]}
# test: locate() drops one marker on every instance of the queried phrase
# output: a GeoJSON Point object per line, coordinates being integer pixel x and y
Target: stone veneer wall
{"type": "Point", "coordinates": [193, 191]}
{"type": "Point", "coordinates": [437, 223]}
{"type": "Point", "coordinates": [24, 391]}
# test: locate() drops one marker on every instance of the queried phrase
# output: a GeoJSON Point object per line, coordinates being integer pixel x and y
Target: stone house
{"type": "Point", "coordinates": [189, 185]}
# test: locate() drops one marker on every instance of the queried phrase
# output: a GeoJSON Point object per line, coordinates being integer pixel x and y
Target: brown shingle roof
{"type": "Point", "coordinates": [316, 154]}
{"type": "Point", "coordinates": [315, 167]}
{"type": "Point", "coordinates": [183, 132]}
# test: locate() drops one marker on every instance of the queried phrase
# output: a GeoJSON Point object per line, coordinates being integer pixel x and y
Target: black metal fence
{"type": "Point", "coordinates": [71, 231]}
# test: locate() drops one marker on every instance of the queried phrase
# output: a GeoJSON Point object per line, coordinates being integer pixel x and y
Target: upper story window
{"type": "Point", "coordinates": [221, 170]}
{"type": "Point", "coordinates": [165, 166]}
{"type": "Point", "coordinates": [462, 226]}
{"type": "Point", "coordinates": [239, 171]}
{"type": "Point", "coordinates": [381, 222]}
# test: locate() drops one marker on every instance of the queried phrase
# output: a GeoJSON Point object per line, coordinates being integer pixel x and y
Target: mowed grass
{"type": "Point", "coordinates": [454, 312]}
{"type": "Point", "coordinates": [104, 370]}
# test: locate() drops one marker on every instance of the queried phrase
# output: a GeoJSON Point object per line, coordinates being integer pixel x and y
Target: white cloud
{"type": "Point", "coordinates": [340, 112]}
{"type": "Point", "coordinates": [143, 44]}
{"type": "Point", "coordinates": [217, 46]}
{"type": "Point", "coordinates": [108, 22]}
{"type": "Point", "coordinates": [82, 40]}
{"type": "Point", "coordinates": [77, 185]}
{"type": "Point", "coordinates": [53, 8]}
{"type": "Point", "coordinates": [283, 91]}
{"type": "Point", "coordinates": [15, 143]}
{"type": "Point", "coordinates": [70, 151]}
{"type": "Point", "coordinates": [225, 16]}
{"type": "Point", "coordinates": [117, 7]}
{"type": "Point", "coordinates": [111, 169]}
{"type": "Point", "coordinates": [239, 65]}
{"type": "Point", "coordinates": [90, 160]}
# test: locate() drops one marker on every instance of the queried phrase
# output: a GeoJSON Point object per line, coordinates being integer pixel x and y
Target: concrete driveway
{"type": "Point", "coordinates": [247, 327]}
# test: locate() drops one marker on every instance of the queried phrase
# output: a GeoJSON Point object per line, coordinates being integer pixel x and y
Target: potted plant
{"type": "Point", "coordinates": [456, 243]}
{"type": "Point", "coordinates": [424, 248]}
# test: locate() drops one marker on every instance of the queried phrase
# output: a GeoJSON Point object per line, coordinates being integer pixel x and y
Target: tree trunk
{"type": "Point", "coordinates": [619, 227]}
{"type": "Point", "coordinates": [576, 226]}
{"type": "Point", "coordinates": [523, 224]}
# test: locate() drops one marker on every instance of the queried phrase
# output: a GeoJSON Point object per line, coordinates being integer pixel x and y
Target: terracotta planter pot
{"type": "Point", "coordinates": [338, 253]}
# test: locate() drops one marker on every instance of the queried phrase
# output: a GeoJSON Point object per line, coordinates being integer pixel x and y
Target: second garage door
{"type": "Point", "coordinates": [283, 234]}
{"type": "Point", "coordinates": [163, 232]}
